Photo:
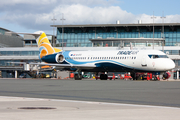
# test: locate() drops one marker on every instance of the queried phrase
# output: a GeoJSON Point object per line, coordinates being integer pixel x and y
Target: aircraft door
{"type": "Point", "coordinates": [143, 62]}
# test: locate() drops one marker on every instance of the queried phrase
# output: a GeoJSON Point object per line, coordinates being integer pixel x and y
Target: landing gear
{"type": "Point", "coordinates": [78, 76]}
{"type": "Point", "coordinates": [103, 77]}
{"type": "Point", "coordinates": [133, 75]}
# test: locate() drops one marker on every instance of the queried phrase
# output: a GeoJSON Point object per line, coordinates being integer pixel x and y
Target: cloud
{"type": "Point", "coordinates": [37, 14]}
{"type": "Point", "coordinates": [80, 14]}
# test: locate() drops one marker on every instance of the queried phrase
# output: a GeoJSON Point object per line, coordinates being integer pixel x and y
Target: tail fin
{"type": "Point", "coordinates": [44, 45]}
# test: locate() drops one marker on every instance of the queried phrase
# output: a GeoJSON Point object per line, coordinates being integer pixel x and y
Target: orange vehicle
{"type": "Point", "coordinates": [146, 76]}
{"type": "Point", "coordinates": [120, 76]}
{"type": "Point", "coordinates": [127, 77]}
{"type": "Point", "coordinates": [166, 75]}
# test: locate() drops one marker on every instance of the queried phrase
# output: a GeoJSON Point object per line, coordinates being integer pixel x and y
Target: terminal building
{"type": "Point", "coordinates": [164, 37]}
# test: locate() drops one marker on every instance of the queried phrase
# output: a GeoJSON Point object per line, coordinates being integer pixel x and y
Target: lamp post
{"type": "Point", "coordinates": [163, 30]}
{"type": "Point", "coordinates": [53, 38]}
{"type": "Point", "coordinates": [153, 28]}
{"type": "Point", "coordinates": [62, 19]}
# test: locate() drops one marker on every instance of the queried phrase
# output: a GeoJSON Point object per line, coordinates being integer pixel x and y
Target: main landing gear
{"type": "Point", "coordinates": [78, 76]}
{"type": "Point", "coordinates": [103, 77]}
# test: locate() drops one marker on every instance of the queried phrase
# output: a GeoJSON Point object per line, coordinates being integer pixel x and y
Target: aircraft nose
{"type": "Point", "coordinates": [170, 65]}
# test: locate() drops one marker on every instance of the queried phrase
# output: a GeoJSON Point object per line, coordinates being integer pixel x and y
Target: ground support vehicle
{"type": "Point", "coordinates": [146, 76]}
{"type": "Point", "coordinates": [104, 76]}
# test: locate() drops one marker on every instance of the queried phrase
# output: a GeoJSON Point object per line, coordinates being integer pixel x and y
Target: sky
{"type": "Point", "coordinates": [30, 16]}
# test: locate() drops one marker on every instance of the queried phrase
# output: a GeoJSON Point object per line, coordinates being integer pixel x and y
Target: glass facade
{"type": "Point", "coordinates": [80, 36]}
{"type": "Point", "coordinates": [19, 53]}
{"type": "Point", "coordinates": [2, 31]}
{"type": "Point", "coordinates": [7, 62]}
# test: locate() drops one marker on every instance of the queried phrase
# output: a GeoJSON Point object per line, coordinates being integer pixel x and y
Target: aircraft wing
{"type": "Point", "coordinates": [65, 65]}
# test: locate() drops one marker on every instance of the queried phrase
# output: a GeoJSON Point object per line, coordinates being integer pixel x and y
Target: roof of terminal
{"type": "Point", "coordinates": [5, 29]}
{"type": "Point", "coordinates": [9, 31]}
{"type": "Point", "coordinates": [119, 25]}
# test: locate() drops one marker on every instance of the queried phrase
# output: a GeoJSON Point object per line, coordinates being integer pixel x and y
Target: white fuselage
{"type": "Point", "coordinates": [119, 60]}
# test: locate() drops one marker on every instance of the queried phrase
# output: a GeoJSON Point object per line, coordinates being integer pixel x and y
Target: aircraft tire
{"type": "Point", "coordinates": [77, 77]}
{"type": "Point", "coordinates": [103, 77]}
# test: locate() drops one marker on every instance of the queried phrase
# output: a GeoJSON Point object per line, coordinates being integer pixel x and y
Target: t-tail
{"type": "Point", "coordinates": [44, 45]}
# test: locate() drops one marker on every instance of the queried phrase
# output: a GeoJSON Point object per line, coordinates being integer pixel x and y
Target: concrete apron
{"type": "Point", "coordinates": [18, 108]}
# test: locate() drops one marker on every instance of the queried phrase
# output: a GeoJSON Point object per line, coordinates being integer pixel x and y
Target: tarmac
{"type": "Point", "coordinates": [20, 108]}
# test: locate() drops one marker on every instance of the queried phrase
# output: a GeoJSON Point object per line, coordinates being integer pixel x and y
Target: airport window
{"type": "Point", "coordinates": [72, 34]}
{"type": "Point", "coordinates": [175, 52]}
{"type": "Point", "coordinates": [28, 42]}
{"type": "Point", "coordinates": [9, 53]}
{"type": "Point", "coordinates": [19, 53]}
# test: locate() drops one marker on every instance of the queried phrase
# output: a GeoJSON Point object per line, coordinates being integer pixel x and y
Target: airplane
{"type": "Point", "coordinates": [102, 61]}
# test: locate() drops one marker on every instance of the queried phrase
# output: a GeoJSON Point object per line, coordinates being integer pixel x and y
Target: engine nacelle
{"type": "Point", "coordinates": [166, 75]}
{"type": "Point", "coordinates": [59, 58]}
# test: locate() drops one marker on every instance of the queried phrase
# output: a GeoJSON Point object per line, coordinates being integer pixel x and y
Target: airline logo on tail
{"type": "Point", "coordinates": [44, 45]}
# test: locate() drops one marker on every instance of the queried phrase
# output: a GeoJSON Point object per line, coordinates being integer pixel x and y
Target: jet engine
{"type": "Point", "coordinates": [59, 58]}
{"type": "Point", "coordinates": [166, 75]}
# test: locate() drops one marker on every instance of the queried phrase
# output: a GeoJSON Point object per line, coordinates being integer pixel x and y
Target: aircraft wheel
{"type": "Point", "coordinates": [78, 77]}
{"type": "Point", "coordinates": [103, 77]}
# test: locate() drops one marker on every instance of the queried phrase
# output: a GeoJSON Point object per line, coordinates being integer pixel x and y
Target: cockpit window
{"type": "Point", "coordinates": [157, 56]}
